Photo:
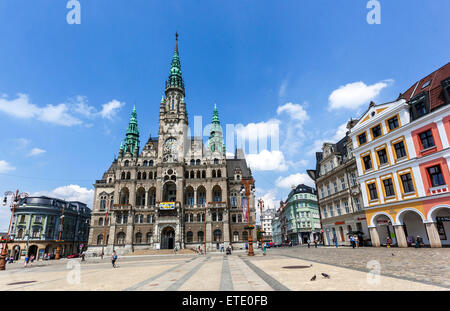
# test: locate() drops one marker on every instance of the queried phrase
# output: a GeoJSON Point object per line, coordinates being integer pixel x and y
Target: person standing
{"type": "Point", "coordinates": [352, 241]}
{"type": "Point", "coordinates": [83, 255]}
{"type": "Point", "coordinates": [309, 243]}
{"type": "Point", "coordinates": [335, 241]}
{"type": "Point", "coordinates": [418, 241]}
{"type": "Point", "coordinates": [315, 243]}
{"type": "Point", "coordinates": [388, 242]}
{"type": "Point", "coordinates": [26, 261]}
{"type": "Point", "coordinates": [175, 249]}
{"type": "Point", "coordinates": [114, 258]}
{"type": "Point", "coordinates": [264, 249]}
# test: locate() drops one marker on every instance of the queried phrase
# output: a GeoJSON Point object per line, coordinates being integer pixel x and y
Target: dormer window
{"type": "Point", "coordinates": [426, 84]}
{"type": "Point", "coordinates": [446, 88]}
{"type": "Point", "coordinates": [419, 105]}
{"type": "Point", "coordinates": [362, 138]}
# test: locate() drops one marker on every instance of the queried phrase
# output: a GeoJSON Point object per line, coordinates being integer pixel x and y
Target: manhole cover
{"type": "Point", "coordinates": [296, 267]}
{"type": "Point", "coordinates": [23, 282]}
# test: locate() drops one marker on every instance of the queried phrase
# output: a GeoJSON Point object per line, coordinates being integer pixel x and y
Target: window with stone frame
{"type": "Point", "coordinates": [373, 194]}
{"type": "Point", "coordinates": [393, 123]}
{"type": "Point", "coordinates": [376, 131]}
{"type": "Point", "coordinates": [335, 187]}
{"type": "Point", "coordinates": [358, 205]}
{"type": "Point", "coordinates": [388, 187]}
{"type": "Point", "coordinates": [362, 138]}
{"type": "Point", "coordinates": [436, 176]}
{"type": "Point", "coordinates": [407, 182]}
{"type": "Point", "coordinates": [342, 183]}
{"type": "Point", "coordinates": [347, 210]}
{"type": "Point", "coordinates": [367, 162]}
{"type": "Point", "coordinates": [338, 208]}
{"type": "Point", "coordinates": [426, 139]}
{"type": "Point", "coordinates": [382, 156]}
{"type": "Point", "coordinates": [239, 218]}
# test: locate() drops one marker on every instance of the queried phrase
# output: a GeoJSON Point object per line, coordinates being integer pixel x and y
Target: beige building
{"type": "Point", "coordinates": [175, 192]}
{"type": "Point", "coordinates": [339, 194]}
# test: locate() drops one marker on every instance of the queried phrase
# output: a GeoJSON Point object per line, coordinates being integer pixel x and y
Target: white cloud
{"type": "Point", "coordinates": [295, 111]}
{"type": "Point", "coordinates": [294, 180]}
{"type": "Point", "coordinates": [356, 94]}
{"type": "Point", "coordinates": [267, 161]}
{"type": "Point", "coordinates": [22, 108]}
{"type": "Point", "coordinates": [340, 133]}
{"type": "Point", "coordinates": [6, 167]}
{"type": "Point", "coordinates": [318, 143]}
{"type": "Point", "coordinates": [109, 110]}
{"type": "Point", "coordinates": [71, 193]}
{"type": "Point", "coordinates": [36, 151]}
{"type": "Point", "coordinates": [283, 87]}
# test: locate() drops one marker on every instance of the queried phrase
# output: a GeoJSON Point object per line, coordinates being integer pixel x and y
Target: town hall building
{"type": "Point", "coordinates": [175, 191]}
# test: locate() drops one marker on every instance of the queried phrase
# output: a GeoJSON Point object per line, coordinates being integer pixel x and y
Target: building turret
{"type": "Point", "coordinates": [215, 141]}
{"type": "Point", "coordinates": [131, 142]}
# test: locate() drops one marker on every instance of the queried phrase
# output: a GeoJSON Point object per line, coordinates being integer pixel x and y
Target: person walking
{"type": "Point", "coordinates": [83, 255]}
{"type": "Point", "coordinates": [175, 249]}
{"type": "Point", "coordinates": [309, 243]}
{"type": "Point", "coordinates": [264, 249]}
{"type": "Point", "coordinates": [114, 258]}
{"type": "Point", "coordinates": [315, 243]}
{"type": "Point", "coordinates": [352, 241]}
{"type": "Point", "coordinates": [357, 241]}
{"type": "Point", "coordinates": [26, 261]}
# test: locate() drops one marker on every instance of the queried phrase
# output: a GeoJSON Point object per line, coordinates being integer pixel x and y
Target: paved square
{"type": "Point", "coordinates": [400, 269]}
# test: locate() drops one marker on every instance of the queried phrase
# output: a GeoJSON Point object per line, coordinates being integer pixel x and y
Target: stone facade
{"type": "Point", "coordinates": [36, 227]}
{"type": "Point", "coordinates": [176, 191]}
{"type": "Point", "coordinates": [340, 199]}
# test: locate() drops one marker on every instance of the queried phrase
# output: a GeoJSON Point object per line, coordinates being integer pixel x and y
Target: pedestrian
{"type": "Point", "coordinates": [175, 249]}
{"type": "Point", "coordinates": [352, 241]}
{"type": "Point", "coordinates": [32, 258]}
{"type": "Point", "coordinates": [26, 261]}
{"type": "Point", "coordinates": [357, 241]}
{"type": "Point", "coordinates": [309, 243]}
{"type": "Point", "coordinates": [114, 258]}
{"type": "Point", "coordinates": [222, 249]}
{"type": "Point", "coordinates": [418, 241]}
{"type": "Point", "coordinates": [388, 242]}
{"type": "Point", "coordinates": [83, 255]}
{"type": "Point", "coordinates": [315, 243]}
{"type": "Point", "coordinates": [264, 249]}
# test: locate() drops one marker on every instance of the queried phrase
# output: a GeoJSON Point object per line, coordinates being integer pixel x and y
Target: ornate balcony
{"type": "Point", "coordinates": [217, 204]}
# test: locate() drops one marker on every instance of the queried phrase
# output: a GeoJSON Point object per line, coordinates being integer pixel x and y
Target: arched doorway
{"type": "Point", "coordinates": [167, 238]}
{"type": "Point", "coordinates": [384, 228]}
{"type": "Point", "coordinates": [413, 227]}
{"type": "Point", "coordinates": [169, 192]}
{"type": "Point", "coordinates": [16, 252]}
{"type": "Point", "coordinates": [440, 215]}
{"type": "Point", "coordinates": [32, 251]}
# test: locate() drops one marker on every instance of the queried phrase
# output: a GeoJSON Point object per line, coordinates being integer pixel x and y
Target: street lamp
{"type": "Point", "coordinates": [247, 188]}
{"type": "Point", "coordinates": [104, 231]}
{"type": "Point", "coordinates": [261, 205]}
{"type": "Point", "coordinates": [15, 198]}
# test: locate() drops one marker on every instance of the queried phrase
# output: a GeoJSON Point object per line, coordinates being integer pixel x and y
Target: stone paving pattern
{"type": "Point", "coordinates": [408, 269]}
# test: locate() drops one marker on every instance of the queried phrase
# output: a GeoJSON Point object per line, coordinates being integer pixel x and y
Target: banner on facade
{"type": "Point", "coordinates": [167, 205]}
{"type": "Point", "coordinates": [245, 209]}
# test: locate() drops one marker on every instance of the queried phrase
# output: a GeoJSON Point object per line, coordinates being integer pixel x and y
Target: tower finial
{"type": "Point", "coordinates": [176, 42]}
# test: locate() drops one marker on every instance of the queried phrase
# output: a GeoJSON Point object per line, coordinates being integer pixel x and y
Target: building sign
{"type": "Point", "coordinates": [339, 223]}
{"type": "Point", "coordinates": [167, 205]}
{"type": "Point", "coordinates": [383, 222]}
{"type": "Point", "coordinates": [443, 218]}
{"type": "Point", "coordinates": [361, 218]}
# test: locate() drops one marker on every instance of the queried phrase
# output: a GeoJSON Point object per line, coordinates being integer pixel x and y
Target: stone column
{"type": "Point", "coordinates": [433, 235]}
{"type": "Point", "coordinates": [195, 197]}
{"type": "Point", "coordinates": [400, 234]}
{"type": "Point", "coordinates": [375, 238]}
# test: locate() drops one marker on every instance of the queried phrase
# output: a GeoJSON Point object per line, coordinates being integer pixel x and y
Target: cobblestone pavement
{"type": "Point", "coordinates": [425, 264]}
{"type": "Point", "coordinates": [280, 270]}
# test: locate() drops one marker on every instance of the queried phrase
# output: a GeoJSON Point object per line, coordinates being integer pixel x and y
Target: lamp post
{"type": "Point", "coordinates": [247, 187]}
{"type": "Point", "coordinates": [261, 205]}
{"type": "Point", "coordinates": [15, 198]}
{"type": "Point", "coordinates": [58, 247]}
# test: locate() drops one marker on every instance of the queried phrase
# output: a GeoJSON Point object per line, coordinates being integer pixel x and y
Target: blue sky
{"type": "Point", "coordinates": [66, 91]}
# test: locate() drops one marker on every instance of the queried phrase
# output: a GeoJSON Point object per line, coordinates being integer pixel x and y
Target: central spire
{"type": "Point", "coordinates": [175, 76]}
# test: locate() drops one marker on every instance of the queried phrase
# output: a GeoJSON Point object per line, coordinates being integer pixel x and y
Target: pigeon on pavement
{"type": "Point", "coordinates": [325, 275]}
{"type": "Point", "coordinates": [313, 278]}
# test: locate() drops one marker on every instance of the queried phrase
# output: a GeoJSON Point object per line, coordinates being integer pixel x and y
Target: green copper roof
{"type": "Point", "coordinates": [131, 141]}
{"type": "Point", "coordinates": [175, 77]}
{"type": "Point", "coordinates": [215, 119]}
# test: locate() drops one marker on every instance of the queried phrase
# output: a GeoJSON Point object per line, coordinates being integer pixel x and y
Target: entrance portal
{"type": "Point", "coordinates": [167, 238]}
{"type": "Point", "coordinates": [32, 251]}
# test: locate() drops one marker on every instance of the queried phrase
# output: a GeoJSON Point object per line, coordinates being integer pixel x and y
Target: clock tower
{"type": "Point", "coordinates": [173, 119]}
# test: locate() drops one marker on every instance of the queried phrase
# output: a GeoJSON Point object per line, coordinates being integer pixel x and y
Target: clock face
{"type": "Point", "coordinates": [171, 143]}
